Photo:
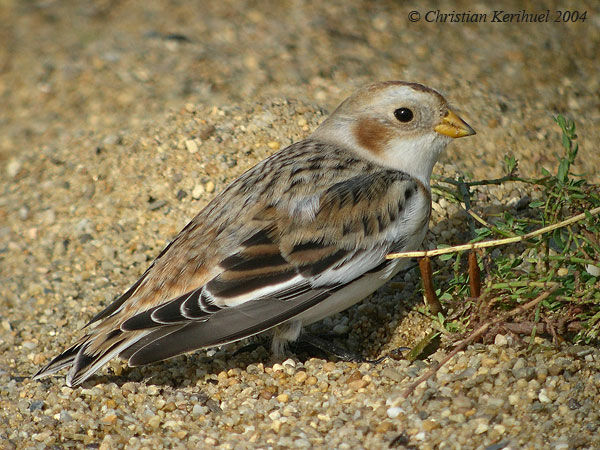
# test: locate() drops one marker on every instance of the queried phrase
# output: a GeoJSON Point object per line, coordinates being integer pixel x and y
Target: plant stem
{"type": "Point", "coordinates": [494, 243]}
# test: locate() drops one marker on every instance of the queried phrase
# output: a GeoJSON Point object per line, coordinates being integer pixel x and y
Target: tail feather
{"type": "Point", "coordinates": [65, 359]}
{"type": "Point", "coordinates": [86, 364]}
{"type": "Point", "coordinates": [153, 335]}
{"type": "Point", "coordinates": [84, 357]}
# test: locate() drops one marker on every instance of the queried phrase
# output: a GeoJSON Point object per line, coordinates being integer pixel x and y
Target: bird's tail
{"type": "Point", "coordinates": [90, 353]}
{"type": "Point", "coordinates": [65, 359]}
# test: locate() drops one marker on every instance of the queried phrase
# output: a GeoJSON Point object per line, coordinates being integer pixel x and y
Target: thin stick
{"type": "Point", "coordinates": [502, 180]}
{"type": "Point", "coordinates": [526, 327]}
{"type": "Point", "coordinates": [494, 243]}
{"type": "Point", "coordinates": [478, 218]}
{"type": "Point", "coordinates": [478, 332]}
{"type": "Point", "coordinates": [522, 283]}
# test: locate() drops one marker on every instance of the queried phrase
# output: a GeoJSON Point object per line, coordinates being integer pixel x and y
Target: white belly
{"type": "Point", "coordinates": [350, 294]}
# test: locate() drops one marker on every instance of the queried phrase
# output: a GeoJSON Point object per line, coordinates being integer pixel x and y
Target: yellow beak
{"type": "Point", "coordinates": [453, 126]}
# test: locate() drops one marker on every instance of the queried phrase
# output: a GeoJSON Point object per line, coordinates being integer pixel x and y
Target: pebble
{"type": "Point", "coordinates": [276, 425]}
{"type": "Point", "coordinates": [24, 212]}
{"type": "Point", "coordinates": [198, 191]}
{"type": "Point", "coordinates": [340, 329]}
{"type": "Point", "coordinates": [109, 419]}
{"type": "Point", "coordinates": [543, 397]}
{"type": "Point", "coordinates": [514, 399]}
{"type": "Point", "coordinates": [384, 427]}
{"type": "Point", "coordinates": [154, 421]}
{"type": "Point", "coordinates": [593, 270]}
{"type": "Point", "coordinates": [394, 412]}
{"type": "Point", "coordinates": [206, 130]}
{"type": "Point", "coordinates": [430, 425]}
{"type": "Point", "coordinates": [500, 340]}
{"type": "Point", "coordinates": [191, 146]}
{"type": "Point", "coordinates": [289, 362]}
{"type": "Point", "coordinates": [311, 380]}
{"type": "Point", "coordinates": [156, 204]}
{"type": "Point", "coordinates": [35, 405]}
{"type": "Point", "coordinates": [358, 384]}
{"type": "Point", "coordinates": [199, 410]}
{"type": "Point", "coordinates": [300, 377]}
{"type": "Point", "coordinates": [13, 167]}
{"type": "Point", "coordinates": [152, 390]}
{"type": "Point", "coordinates": [482, 428]}
{"type": "Point", "coordinates": [392, 374]}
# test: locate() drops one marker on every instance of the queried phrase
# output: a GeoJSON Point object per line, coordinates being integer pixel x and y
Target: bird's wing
{"type": "Point", "coordinates": [281, 272]}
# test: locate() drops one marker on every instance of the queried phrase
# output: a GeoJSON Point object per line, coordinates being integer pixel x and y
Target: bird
{"type": "Point", "coordinates": [302, 235]}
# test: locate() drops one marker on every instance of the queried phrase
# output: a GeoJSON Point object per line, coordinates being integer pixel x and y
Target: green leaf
{"type": "Point", "coordinates": [566, 142]}
{"type": "Point", "coordinates": [446, 296]}
{"type": "Point", "coordinates": [510, 163]}
{"type": "Point", "coordinates": [536, 204]}
{"type": "Point", "coordinates": [419, 349]}
{"type": "Point", "coordinates": [558, 240]}
{"type": "Point", "coordinates": [563, 170]}
{"type": "Point", "coordinates": [483, 231]}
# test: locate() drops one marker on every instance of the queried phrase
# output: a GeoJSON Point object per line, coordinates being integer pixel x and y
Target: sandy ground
{"type": "Point", "coordinates": [100, 101]}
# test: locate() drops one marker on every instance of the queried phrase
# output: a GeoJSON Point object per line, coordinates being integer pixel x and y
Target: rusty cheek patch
{"type": "Point", "coordinates": [372, 135]}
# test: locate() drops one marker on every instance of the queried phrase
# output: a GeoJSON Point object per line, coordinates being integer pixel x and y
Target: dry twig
{"type": "Point", "coordinates": [474, 275]}
{"type": "Point", "coordinates": [475, 334]}
{"type": "Point", "coordinates": [493, 243]}
{"type": "Point", "coordinates": [426, 275]}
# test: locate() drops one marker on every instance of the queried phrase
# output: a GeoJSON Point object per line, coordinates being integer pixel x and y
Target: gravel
{"type": "Point", "coordinates": [121, 121]}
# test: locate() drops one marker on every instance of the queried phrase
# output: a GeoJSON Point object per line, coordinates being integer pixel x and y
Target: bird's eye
{"type": "Point", "coordinates": [404, 115]}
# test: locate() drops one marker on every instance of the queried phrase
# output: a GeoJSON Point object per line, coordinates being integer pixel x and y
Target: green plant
{"type": "Point", "coordinates": [565, 261]}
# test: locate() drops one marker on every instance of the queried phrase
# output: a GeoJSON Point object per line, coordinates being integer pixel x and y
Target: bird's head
{"type": "Point", "coordinates": [400, 125]}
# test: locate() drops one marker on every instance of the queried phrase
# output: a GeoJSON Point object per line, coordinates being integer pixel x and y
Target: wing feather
{"type": "Point", "coordinates": [227, 326]}
{"type": "Point", "coordinates": [265, 269]}
{"type": "Point", "coordinates": [268, 280]}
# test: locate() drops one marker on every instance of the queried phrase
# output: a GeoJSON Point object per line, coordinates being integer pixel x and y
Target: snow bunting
{"type": "Point", "coordinates": [298, 237]}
